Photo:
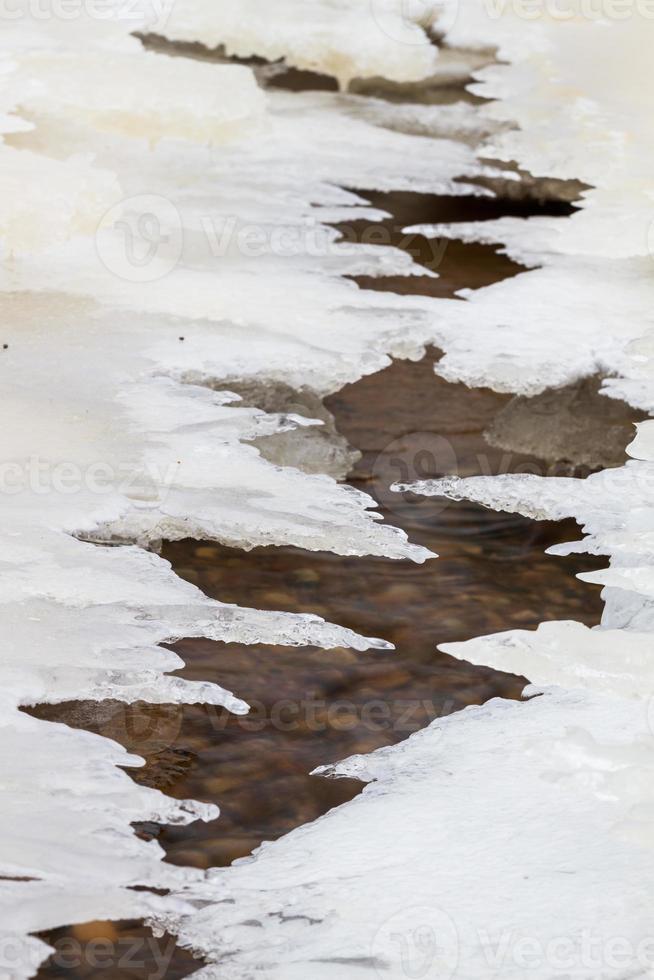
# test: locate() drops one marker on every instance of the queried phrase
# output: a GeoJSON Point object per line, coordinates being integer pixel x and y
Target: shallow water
{"type": "Point", "coordinates": [312, 707]}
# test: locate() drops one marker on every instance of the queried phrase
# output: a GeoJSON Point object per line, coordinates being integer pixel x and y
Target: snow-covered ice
{"type": "Point", "coordinates": [165, 230]}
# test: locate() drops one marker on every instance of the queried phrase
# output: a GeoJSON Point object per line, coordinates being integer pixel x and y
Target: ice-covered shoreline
{"type": "Point", "coordinates": [133, 292]}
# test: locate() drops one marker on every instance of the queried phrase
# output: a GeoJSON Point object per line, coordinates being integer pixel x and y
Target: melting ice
{"type": "Point", "coordinates": [130, 180]}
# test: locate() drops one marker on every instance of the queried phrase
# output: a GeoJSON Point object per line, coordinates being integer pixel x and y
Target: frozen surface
{"type": "Point", "coordinates": [502, 838]}
{"type": "Point", "coordinates": [163, 234]}
{"type": "Point", "coordinates": [511, 839]}
{"type": "Point", "coordinates": [344, 38]}
{"type": "Point", "coordinates": [443, 866]}
{"type": "Point", "coordinates": [166, 231]}
{"type": "Point", "coordinates": [592, 290]}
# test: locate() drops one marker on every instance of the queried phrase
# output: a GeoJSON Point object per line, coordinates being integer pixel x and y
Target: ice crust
{"type": "Point", "coordinates": [510, 839]}
{"type": "Point", "coordinates": [591, 292]}
{"type": "Point", "coordinates": [435, 866]}
{"type": "Point", "coordinates": [119, 426]}
{"type": "Point", "coordinates": [164, 232]}
{"type": "Point", "coordinates": [502, 838]}
{"type": "Point", "coordinates": [344, 38]}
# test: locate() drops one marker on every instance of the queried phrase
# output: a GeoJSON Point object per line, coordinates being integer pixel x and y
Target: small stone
{"type": "Point", "coordinates": [206, 552]}
{"type": "Point", "coordinates": [306, 575]}
{"type": "Point", "coordinates": [90, 931]}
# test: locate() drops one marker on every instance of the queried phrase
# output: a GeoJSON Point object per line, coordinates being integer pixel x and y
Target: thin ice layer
{"type": "Point", "coordinates": [119, 423]}
{"type": "Point", "coordinates": [195, 101]}
{"type": "Point", "coordinates": [592, 292]}
{"type": "Point", "coordinates": [344, 38]}
{"type": "Point", "coordinates": [256, 212]}
{"type": "Point", "coordinates": [509, 839]}
{"type": "Point", "coordinates": [616, 510]}
{"type": "Point", "coordinates": [45, 202]}
{"type": "Point", "coordinates": [182, 448]}
{"type": "Point", "coordinates": [68, 853]}
{"type": "Point", "coordinates": [599, 136]}
{"type": "Point", "coordinates": [461, 888]}
{"type": "Point", "coordinates": [550, 868]}
{"type": "Point", "coordinates": [614, 506]}
{"type": "Point", "coordinates": [101, 614]}
{"type": "Point", "coordinates": [145, 456]}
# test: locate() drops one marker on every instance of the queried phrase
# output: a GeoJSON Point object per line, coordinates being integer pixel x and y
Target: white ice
{"type": "Point", "coordinates": [511, 839]}
{"type": "Point", "coordinates": [165, 230]}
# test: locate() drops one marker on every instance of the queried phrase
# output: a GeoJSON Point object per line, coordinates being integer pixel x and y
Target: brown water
{"type": "Point", "coordinates": [310, 706]}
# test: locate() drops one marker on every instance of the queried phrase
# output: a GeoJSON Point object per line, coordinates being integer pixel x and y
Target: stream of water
{"type": "Point", "coordinates": [312, 707]}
